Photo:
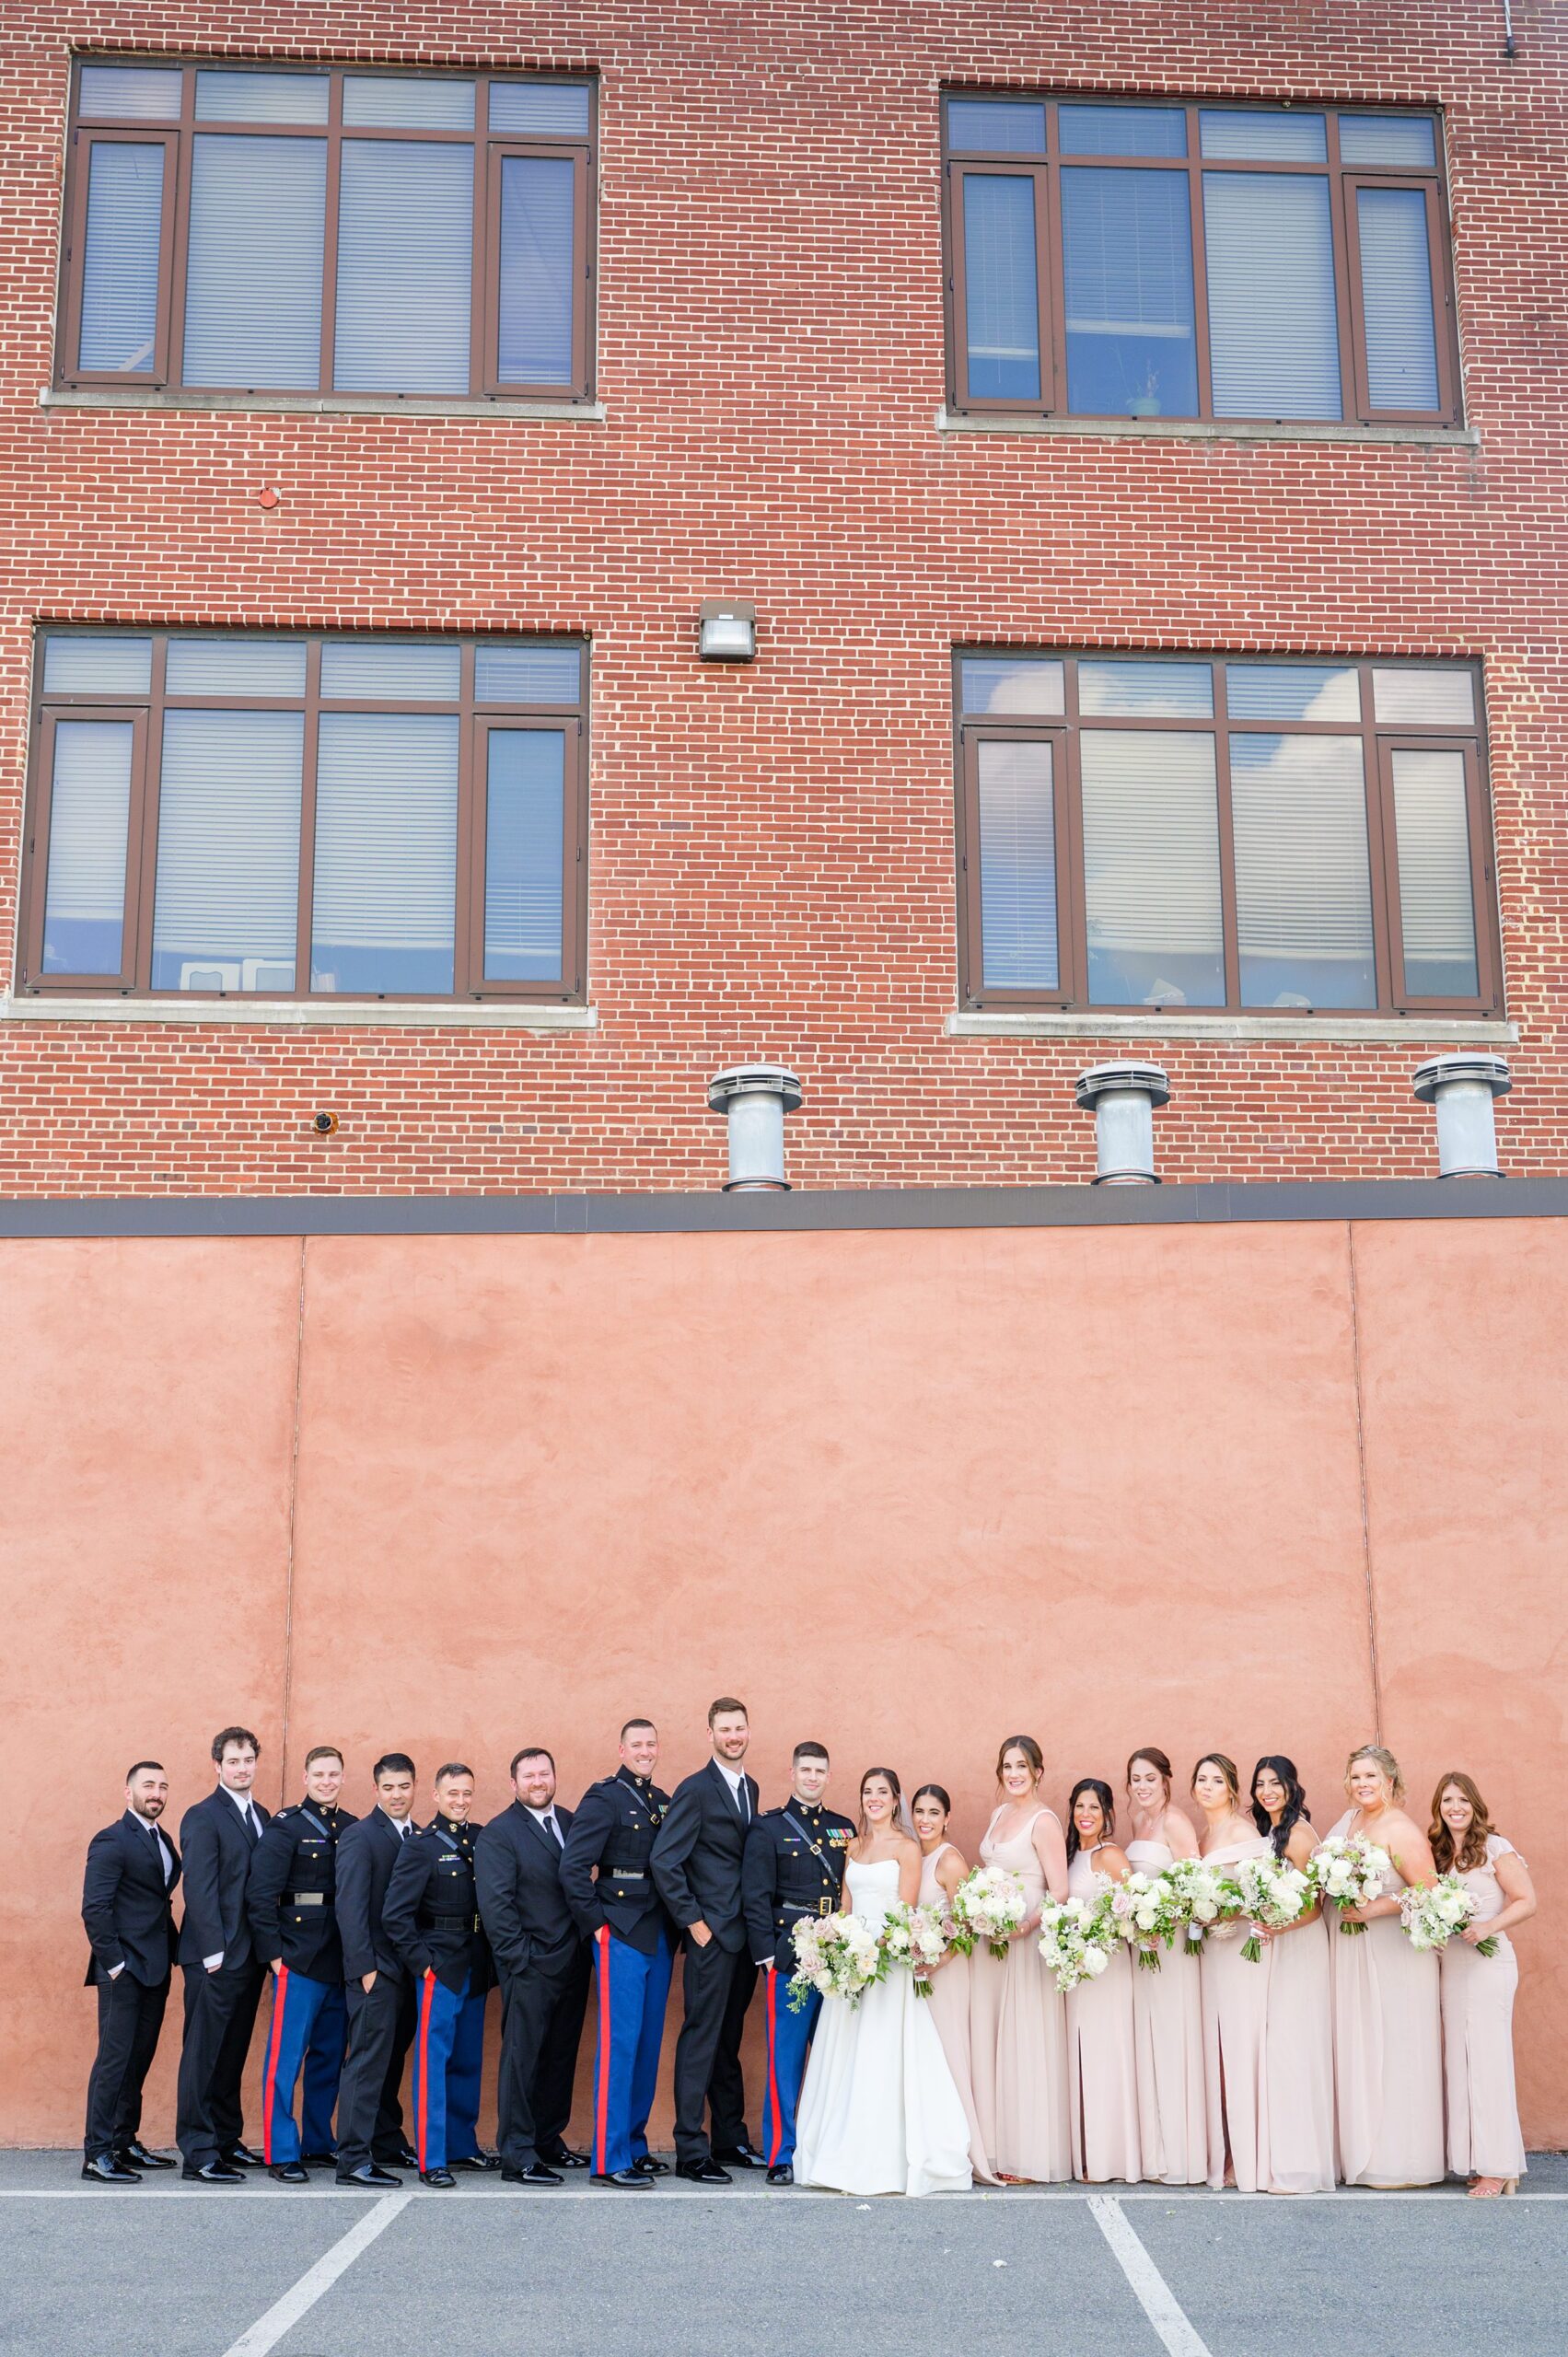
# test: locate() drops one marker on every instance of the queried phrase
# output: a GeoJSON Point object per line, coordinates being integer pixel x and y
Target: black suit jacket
{"type": "Point", "coordinates": [516, 1868]}
{"type": "Point", "coordinates": [368, 1851]}
{"type": "Point", "coordinates": [217, 1853]}
{"type": "Point", "coordinates": [127, 1909]}
{"type": "Point", "coordinates": [696, 1859]}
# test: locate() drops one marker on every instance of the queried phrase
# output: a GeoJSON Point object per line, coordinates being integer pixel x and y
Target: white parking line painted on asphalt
{"type": "Point", "coordinates": [268, 2330]}
{"type": "Point", "coordinates": [1155, 2295]}
{"type": "Point", "coordinates": [292, 2197]}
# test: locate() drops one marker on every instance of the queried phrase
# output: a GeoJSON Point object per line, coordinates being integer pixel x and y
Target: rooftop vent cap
{"type": "Point", "coordinates": [754, 1099]}
{"type": "Point", "coordinates": [1123, 1097]}
{"type": "Point", "coordinates": [1462, 1090]}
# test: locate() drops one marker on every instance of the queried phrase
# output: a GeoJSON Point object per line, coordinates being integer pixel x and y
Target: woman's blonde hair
{"type": "Point", "coordinates": [1227, 1769]}
{"type": "Point", "coordinates": [1472, 1849]}
{"type": "Point", "coordinates": [1388, 1766]}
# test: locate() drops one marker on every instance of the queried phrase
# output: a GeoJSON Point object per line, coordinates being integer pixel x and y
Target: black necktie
{"type": "Point", "coordinates": [549, 1820]}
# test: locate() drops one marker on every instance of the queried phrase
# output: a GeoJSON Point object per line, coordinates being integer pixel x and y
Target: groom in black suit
{"type": "Point", "coordinates": [222, 1973]}
{"type": "Point", "coordinates": [128, 1914]}
{"type": "Point", "coordinates": [696, 1867]}
{"type": "Point", "coordinates": [542, 1962]}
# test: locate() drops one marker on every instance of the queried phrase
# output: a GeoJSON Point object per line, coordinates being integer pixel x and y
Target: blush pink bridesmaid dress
{"type": "Point", "coordinates": [1102, 2070]}
{"type": "Point", "coordinates": [1235, 1997]}
{"type": "Point", "coordinates": [1167, 2031]}
{"type": "Point", "coordinates": [949, 2003]}
{"type": "Point", "coordinates": [1300, 2155]}
{"type": "Point", "coordinates": [1018, 2037]}
{"type": "Point", "coordinates": [1388, 2050]}
{"type": "Point", "coordinates": [1478, 2039]}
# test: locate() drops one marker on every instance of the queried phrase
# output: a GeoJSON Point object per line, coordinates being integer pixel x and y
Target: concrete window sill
{"type": "Point", "coordinates": [317, 404]}
{"type": "Point", "coordinates": [1306, 1031]}
{"type": "Point", "coordinates": [1193, 429]}
{"type": "Point", "coordinates": [303, 1015]}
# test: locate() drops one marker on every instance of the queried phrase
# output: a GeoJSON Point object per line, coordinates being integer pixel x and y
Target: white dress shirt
{"type": "Point", "coordinates": [735, 1778]}
{"type": "Point", "coordinates": [548, 1819]}
{"type": "Point", "coordinates": [252, 1823]}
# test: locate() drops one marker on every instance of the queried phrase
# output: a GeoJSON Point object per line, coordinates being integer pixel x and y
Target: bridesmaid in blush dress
{"type": "Point", "coordinates": [1102, 2072]}
{"type": "Point", "coordinates": [1167, 2010]}
{"type": "Point", "coordinates": [942, 1870]}
{"type": "Point", "coordinates": [1235, 1992]}
{"type": "Point", "coordinates": [1298, 2038]}
{"type": "Point", "coordinates": [1388, 2023]}
{"type": "Point", "coordinates": [1484, 2142]}
{"type": "Point", "coordinates": [1018, 2026]}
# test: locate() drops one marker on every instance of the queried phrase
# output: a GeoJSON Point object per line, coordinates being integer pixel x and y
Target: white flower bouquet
{"type": "Point", "coordinates": [988, 1904]}
{"type": "Point", "coordinates": [917, 1938]}
{"type": "Point", "coordinates": [1347, 1869]}
{"type": "Point", "coordinates": [835, 1956]}
{"type": "Point", "coordinates": [1431, 1917]}
{"type": "Point", "coordinates": [1200, 1897]}
{"type": "Point", "coordinates": [1078, 1937]}
{"type": "Point", "coordinates": [1271, 1893]}
{"type": "Point", "coordinates": [1147, 1914]}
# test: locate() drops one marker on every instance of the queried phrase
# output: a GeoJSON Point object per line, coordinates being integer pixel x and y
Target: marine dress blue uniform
{"type": "Point", "coordinates": [794, 1866]}
{"type": "Point", "coordinates": [613, 1830]}
{"type": "Point", "coordinates": [290, 1900]}
{"type": "Point", "coordinates": [431, 1916]}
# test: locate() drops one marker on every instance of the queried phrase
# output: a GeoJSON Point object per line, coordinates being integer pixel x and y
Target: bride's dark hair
{"type": "Point", "coordinates": [898, 1793]}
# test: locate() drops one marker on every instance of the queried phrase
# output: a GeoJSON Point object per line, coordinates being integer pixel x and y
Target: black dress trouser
{"type": "Point", "coordinates": [370, 2110]}
{"type": "Point", "coordinates": [719, 1982]}
{"type": "Point", "coordinates": [220, 2014]}
{"type": "Point", "coordinates": [541, 2028]}
{"type": "Point", "coordinates": [130, 2016]}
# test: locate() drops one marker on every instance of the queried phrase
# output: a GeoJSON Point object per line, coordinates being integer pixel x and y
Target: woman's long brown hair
{"type": "Point", "coordinates": [1472, 1850]}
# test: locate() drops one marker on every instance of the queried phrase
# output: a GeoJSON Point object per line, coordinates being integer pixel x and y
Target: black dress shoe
{"type": "Point", "coordinates": [781, 2174]}
{"type": "Point", "coordinates": [475, 2163]}
{"type": "Point", "coordinates": [401, 2157]}
{"type": "Point", "coordinates": [703, 2172]}
{"type": "Point", "coordinates": [625, 2180]}
{"type": "Point", "coordinates": [215, 2173]}
{"type": "Point", "coordinates": [739, 2156]}
{"type": "Point", "coordinates": [135, 2155]}
{"type": "Point", "coordinates": [318, 2160]}
{"type": "Point", "coordinates": [564, 2158]}
{"type": "Point", "coordinates": [289, 2173]}
{"type": "Point", "coordinates": [647, 2167]}
{"type": "Point", "coordinates": [535, 2174]}
{"type": "Point", "coordinates": [442, 2177]}
{"type": "Point", "coordinates": [105, 2168]}
{"type": "Point", "coordinates": [240, 2156]}
{"type": "Point", "coordinates": [369, 2175]}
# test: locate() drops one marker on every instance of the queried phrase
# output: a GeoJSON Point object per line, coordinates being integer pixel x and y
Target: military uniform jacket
{"type": "Point", "coordinates": [431, 1910]}
{"type": "Point", "coordinates": [614, 1829]}
{"type": "Point", "coordinates": [794, 1866]}
{"type": "Point", "coordinates": [292, 1894]}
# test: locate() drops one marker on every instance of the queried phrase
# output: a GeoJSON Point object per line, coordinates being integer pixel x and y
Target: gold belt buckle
{"type": "Point", "coordinates": [824, 1907]}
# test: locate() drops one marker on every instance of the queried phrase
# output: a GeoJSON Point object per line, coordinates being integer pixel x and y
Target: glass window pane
{"type": "Point", "coordinates": [405, 268]}
{"type": "Point", "coordinates": [385, 853]}
{"type": "Point", "coordinates": [253, 278]}
{"type": "Point", "coordinates": [504, 674]}
{"type": "Point", "coordinates": [1437, 905]}
{"type": "Point", "coordinates": [524, 853]}
{"type": "Point", "coordinates": [1274, 324]}
{"type": "Point", "coordinates": [1396, 139]}
{"type": "Point", "coordinates": [996, 126]}
{"type": "Point", "coordinates": [1001, 289]}
{"type": "Point", "coordinates": [1127, 248]}
{"type": "Point", "coordinates": [1152, 868]}
{"type": "Point", "coordinates": [407, 101]}
{"type": "Point", "coordinates": [1018, 867]}
{"type": "Point", "coordinates": [225, 913]}
{"type": "Point", "coordinates": [1151, 690]}
{"type": "Point", "coordinates": [538, 270]}
{"type": "Point", "coordinates": [1425, 695]}
{"type": "Point", "coordinates": [997, 684]}
{"type": "Point", "coordinates": [1292, 691]}
{"type": "Point", "coordinates": [1302, 881]}
{"type": "Point", "coordinates": [1274, 135]}
{"type": "Point", "coordinates": [235, 663]}
{"type": "Point", "coordinates": [131, 93]}
{"type": "Point", "coordinates": [119, 265]}
{"type": "Point", "coordinates": [1396, 297]}
{"type": "Point", "coordinates": [90, 816]}
{"type": "Point", "coordinates": [425, 670]}
{"type": "Point", "coordinates": [76, 663]}
{"type": "Point", "coordinates": [260, 97]}
{"type": "Point", "coordinates": [558, 110]}
{"type": "Point", "coordinates": [1121, 131]}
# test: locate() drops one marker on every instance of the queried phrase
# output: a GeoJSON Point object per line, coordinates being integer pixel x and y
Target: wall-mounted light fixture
{"type": "Point", "coordinates": [727, 630]}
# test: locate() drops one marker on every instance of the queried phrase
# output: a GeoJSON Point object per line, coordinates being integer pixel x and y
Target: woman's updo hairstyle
{"type": "Point", "coordinates": [1386, 1763]}
{"type": "Point", "coordinates": [1156, 1759]}
{"type": "Point", "coordinates": [1227, 1769]}
{"type": "Point", "coordinates": [937, 1792]}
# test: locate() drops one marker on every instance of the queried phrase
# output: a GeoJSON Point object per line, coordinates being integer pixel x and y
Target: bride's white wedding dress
{"type": "Point", "coordinates": [880, 2112]}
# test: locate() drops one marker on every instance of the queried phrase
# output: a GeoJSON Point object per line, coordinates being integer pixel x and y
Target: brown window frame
{"type": "Point", "coordinates": [1066, 731]}
{"type": "Point", "coordinates": [177, 134]}
{"type": "Point", "coordinates": [145, 712]}
{"type": "Point", "coordinates": [1355, 408]}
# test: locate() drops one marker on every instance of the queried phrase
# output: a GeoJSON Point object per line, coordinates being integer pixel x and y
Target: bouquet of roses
{"type": "Point", "coordinates": [918, 1937]}
{"type": "Point", "coordinates": [1078, 1937]}
{"type": "Point", "coordinates": [1146, 1913]}
{"type": "Point", "coordinates": [988, 1904]}
{"type": "Point", "coordinates": [1200, 1897]}
{"type": "Point", "coordinates": [1431, 1917]}
{"type": "Point", "coordinates": [1271, 1892]}
{"type": "Point", "coordinates": [835, 1956]}
{"type": "Point", "coordinates": [1347, 1869]}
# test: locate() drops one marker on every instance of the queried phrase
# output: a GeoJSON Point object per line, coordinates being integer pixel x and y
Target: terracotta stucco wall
{"type": "Point", "coordinates": [904, 1493]}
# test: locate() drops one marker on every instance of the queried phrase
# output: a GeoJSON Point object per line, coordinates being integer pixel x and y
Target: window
{"type": "Point", "coordinates": [1244, 833]}
{"type": "Point", "coordinates": [328, 229]}
{"type": "Point", "coordinates": [1264, 264]}
{"type": "Point", "coordinates": [285, 815]}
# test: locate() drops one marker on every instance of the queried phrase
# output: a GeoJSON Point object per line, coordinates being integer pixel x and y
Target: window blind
{"type": "Point", "coordinates": [1303, 882]}
{"type": "Point", "coordinates": [226, 909]}
{"type": "Point", "coordinates": [405, 264]}
{"type": "Point", "coordinates": [1436, 906]}
{"type": "Point", "coordinates": [1151, 867]}
{"type": "Point", "coordinates": [524, 852]}
{"type": "Point", "coordinates": [120, 264]}
{"type": "Point", "coordinates": [253, 276]}
{"type": "Point", "coordinates": [1396, 297]}
{"type": "Point", "coordinates": [1127, 255]}
{"type": "Point", "coordinates": [538, 270]}
{"type": "Point", "coordinates": [1274, 323]}
{"type": "Point", "coordinates": [385, 853]}
{"type": "Point", "coordinates": [90, 816]}
{"type": "Point", "coordinates": [1001, 286]}
{"type": "Point", "coordinates": [1018, 859]}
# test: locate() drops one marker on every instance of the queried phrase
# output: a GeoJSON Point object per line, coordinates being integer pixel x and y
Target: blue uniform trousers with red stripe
{"type": "Point", "coordinates": [632, 1990]}
{"type": "Point", "coordinates": [309, 2025]}
{"type": "Point", "coordinates": [449, 2057]}
{"type": "Point", "coordinates": [789, 2036]}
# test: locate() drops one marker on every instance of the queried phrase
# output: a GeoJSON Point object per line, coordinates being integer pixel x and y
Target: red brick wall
{"type": "Point", "coordinates": [772, 849]}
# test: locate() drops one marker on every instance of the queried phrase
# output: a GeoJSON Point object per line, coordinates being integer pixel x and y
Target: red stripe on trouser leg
{"type": "Point", "coordinates": [426, 1988]}
{"type": "Point", "coordinates": [270, 2076]}
{"type": "Point", "coordinates": [774, 2069]}
{"type": "Point", "coordinates": [602, 2074]}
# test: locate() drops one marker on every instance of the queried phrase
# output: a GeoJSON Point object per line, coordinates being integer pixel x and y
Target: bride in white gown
{"type": "Point", "coordinates": [880, 2112]}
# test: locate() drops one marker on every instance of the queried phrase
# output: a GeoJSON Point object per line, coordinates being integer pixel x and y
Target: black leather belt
{"type": "Point", "coordinates": [306, 1899]}
{"type": "Point", "coordinates": [469, 1923]}
{"type": "Point", "coordinates": [806, 1906]}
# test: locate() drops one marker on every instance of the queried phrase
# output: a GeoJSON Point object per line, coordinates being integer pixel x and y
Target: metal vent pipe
{"type": "Point", "coordinates": [1462, 1090]}
{"type": "Point", "coordinates": [1124, 1097]}
{"type": "Point", "coordinates": [754, 1099]}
